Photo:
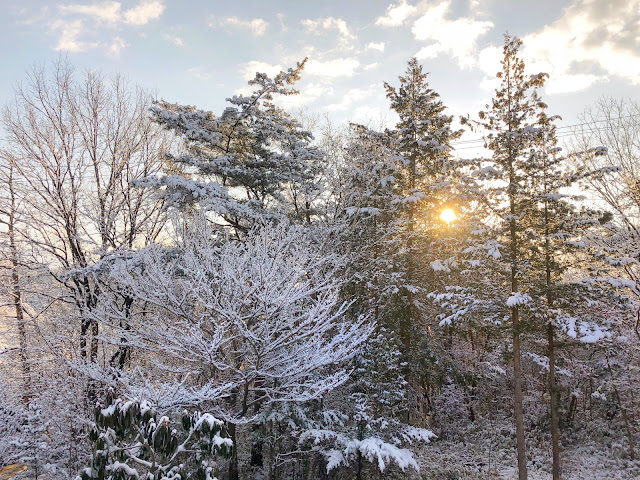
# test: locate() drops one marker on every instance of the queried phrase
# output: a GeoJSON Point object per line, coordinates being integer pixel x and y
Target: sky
{"type": "Point", "coordinates": [199, 52]}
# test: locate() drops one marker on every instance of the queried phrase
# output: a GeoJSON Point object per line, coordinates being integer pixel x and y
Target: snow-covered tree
{"type": "Point", "coordinates": [535, 235]}
{"type": "Point", "coordinates": [33, 443]}
{"type": "Point", "coordinates": [74, 146]}
{"type": "Point", "coordinates": [368, 436]}
{"type": "Point", "coordinates": [510, 121]}
{"type": "Point", "coordinates": [422, 186]}
{"type": "Point", "coordinates": [253, 162]}
{"type": "Point", "coordinates": [237, 325]}
{"type": "Point", "coordinates": [398, 183]}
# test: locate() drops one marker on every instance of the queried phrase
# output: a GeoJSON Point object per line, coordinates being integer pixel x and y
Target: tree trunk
{"type": "Point", "coordinates": [517, 398]}
{"type": "Point", "coordinates": [233, 461]}
{"type": "Point", "coordinates": [16, 293]}
{"type": "Point", "coordinates": [515, 322]}
{"type": "Point", "coordinates": [514, 250]}
{"type": "Point", "coordinates": [555, 434]}
{"type": "Point", "coordinates": [627, 426]}
{"type": "Point", "coordinates": [408, 322]}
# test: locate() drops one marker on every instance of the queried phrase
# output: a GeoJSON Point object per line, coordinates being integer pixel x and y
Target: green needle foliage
{"type": "Point", "coordinates": [131, 441]}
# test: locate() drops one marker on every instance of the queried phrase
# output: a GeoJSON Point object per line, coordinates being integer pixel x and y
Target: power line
{"type": "Point", "coordinates": [563, 134]}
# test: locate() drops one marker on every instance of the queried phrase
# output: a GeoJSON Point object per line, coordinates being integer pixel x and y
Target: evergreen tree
{"type": "Point", "coordinates": [423, 184]}
{"type": "Point", "coordinates": [253, 162]}
{"type": "Point", "coordinates": [537, 233]}
{"type": "Point", "coordinates": [131, 441]}
{"type": "Point", "coordinates": [509, 121]}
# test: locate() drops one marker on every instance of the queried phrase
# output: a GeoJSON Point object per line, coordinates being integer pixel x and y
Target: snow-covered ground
{"type": "Point", "coordinates": [595, 458]}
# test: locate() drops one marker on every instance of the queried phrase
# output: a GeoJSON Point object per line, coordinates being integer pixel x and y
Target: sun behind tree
{"type": "Point", "coordinates": [448, 215]}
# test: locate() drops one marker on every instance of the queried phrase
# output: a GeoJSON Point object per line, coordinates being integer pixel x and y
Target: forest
{"type": "Point", "coordinates": [198, 295]}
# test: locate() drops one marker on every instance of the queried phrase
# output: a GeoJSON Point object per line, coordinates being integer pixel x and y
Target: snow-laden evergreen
{"type": "Point", "coordinates": [251, 162]}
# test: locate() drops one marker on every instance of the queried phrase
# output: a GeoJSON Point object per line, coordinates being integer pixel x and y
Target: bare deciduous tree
{"type": "Point", "coordinates": [76, 144]}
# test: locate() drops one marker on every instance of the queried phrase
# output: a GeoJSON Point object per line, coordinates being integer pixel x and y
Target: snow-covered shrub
{"type": "Point", "coordinates": [131, 440]}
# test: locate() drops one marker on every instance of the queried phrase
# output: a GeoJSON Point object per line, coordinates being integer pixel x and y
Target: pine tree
{"type": "Point", "coordinates": [423, 186]}
{"type": "Point", "coordinates": [537, 229]}
{"type": "Point", "coordinates": [252, 163]}
{"type": "Point", "coordinates": [509, 120]}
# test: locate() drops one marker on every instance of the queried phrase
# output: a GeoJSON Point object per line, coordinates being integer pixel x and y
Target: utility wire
{"type": "Point", "coordinates": [480, 141]}
{"type": "Point", "coordinates": [564, 135]}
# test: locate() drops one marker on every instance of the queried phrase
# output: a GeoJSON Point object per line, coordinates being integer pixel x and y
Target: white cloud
{"type": "Point", "coordinates": [68, 36]}
{"type": "Point", "coordinates": [489, 62]}
{"type": "Point", "coordinates": [110, 12]}
{"type": "Point", "coordinates": [371, 66]}
{"type": "Point", "coordinates": [365, 105]}
{"type": "Point", "coordinates": [589, 42]}
{"type": "Point", "coordinates": [355, 96]}
{"type": "Point", "coordinates": [572, 82]}
{"type": "Point", "coordinates": [74, 22]}
{"type": "Point", "coordinates": [372, 117]}
{"type": "Point", "coordinates": [250, 69]}
{"type": "Point", "coordinates": [144, 12]}
{"type": "Point", "coordinates": [283, 26]}
{"type": "Point", "coordinates": [329, 23]}
{"type": "Point", "coordinates": [307, 95]}
{"type": "Point", "coordinates": [339, 67]}
{"type": "Point", "coordinates": [454, 37]}
{"type": "Point", "coordinates": [396, 14]}
{"type": "Point", "coordinates": [258, 26]}
{"type": "Point", "coordinates": [176, 40]}
{"type": "Point", "coordinates": [376, 46]}
{"type": "Point", "coordinates": [106, 11]}
{"type": "Point", "coordinates": [115, 47]}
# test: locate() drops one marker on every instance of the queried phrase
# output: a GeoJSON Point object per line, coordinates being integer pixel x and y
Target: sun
{"type": "Point", "coordinates": [448, 215]}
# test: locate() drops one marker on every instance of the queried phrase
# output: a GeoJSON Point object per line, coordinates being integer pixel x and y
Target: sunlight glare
{"type": "Point", "coordinates": [448, 215]}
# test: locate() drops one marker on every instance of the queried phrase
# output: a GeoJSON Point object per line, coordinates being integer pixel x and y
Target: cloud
{"type": "Point", "coordinates": [307, 95]}
{"type": "Point", "coordinates": [370, 116]}
{"type": "Point", "coordinates": [258, 26]}
{"type": "Point", "coordinates": [116, 46]}
{"type": "Point", "coordinates": [339, 67]}
{"type": "Point", "coordinates": [68, 36]}
{"type": "Point", "coordinates": [572, 82]}
{"type": "Point", "coordinates": [110, 12]}
{"type": "Point", "coordinates": [365, 105]}
{"type": "Point", "coordinates": [376, 46]}
{"type": "Point", "coordinates": [144, 13]}
{"type": "Point", "coordinates": [329, 23]}
{"type": "Point", "coordinates": [590, 41]}
{"type": "Point", "coordinates": [371, 66]}
{"type": "Point", "coordinates": [454, 37]}
{"type": "Point", "coordinates": [283, 26]}
{"type": "Point", "coordinates": [355, 96]}
{"type": "Point", "coordinates": [27, 16]}
{"type": "Point", "coordinates": [489, 62]}
{"type": "Point", "coordinates": [176, 40]}
{"type": "Point", "coordinates": [396, 14]}
{"type": "Point", "coordinates": [72, 23]}
{"type": "Point", "coordinates": [106, 11]}
{"type": "Point", "coordinates": [250, 69]}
